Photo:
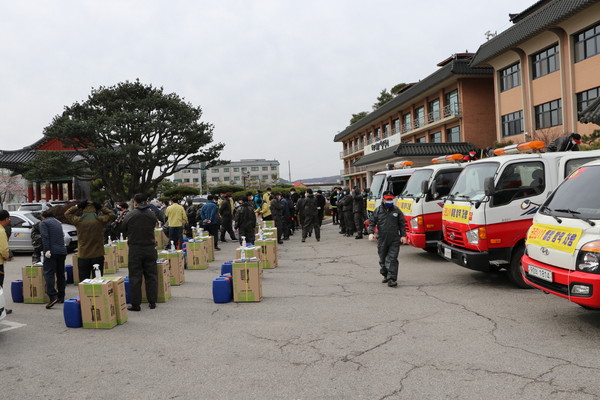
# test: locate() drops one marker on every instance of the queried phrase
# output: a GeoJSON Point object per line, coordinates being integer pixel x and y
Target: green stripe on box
{"type": "Point", "coordinates": [100, 324]}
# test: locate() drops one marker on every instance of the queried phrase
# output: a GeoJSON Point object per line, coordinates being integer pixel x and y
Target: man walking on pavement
{"type": "Point", "coordinates": [226, 212]}
{"type": "Point", "coordinates": [139, 225]}
{"type": "Point", "coordinates": [391, 233]}
{"type": "Point", "coordinates": [55, 253]}
{"type": "Point", "coordinates": [358, 211]}
{"type": "Point", "coordinates": [320, 206]}
{"type": "Point", "coordinates": [4, 251]}
{"type": "Point", "coordinates": [277, 214]}
{"type": "Point", "coordinates": [176, 218]}
{"type": "Point", "coordinates": [308, 213]}
{"type": "Point", "coordinates": [209, 218]}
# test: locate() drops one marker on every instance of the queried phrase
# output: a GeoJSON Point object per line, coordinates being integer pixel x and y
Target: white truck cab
{"type": "Point", "coordinates": [422, 204]}
{"type": "Point", "coordinates": [484, 227]}
{"type": "Point", "coordinates": [394, 180]}
{"type": "Point", "coordinates": [563, 245]}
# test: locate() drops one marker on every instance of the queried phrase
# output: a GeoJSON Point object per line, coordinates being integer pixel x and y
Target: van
{"type": "Point", "coordinates": [562, 254]}
{"type": "Point", "coordinates": [393, 180]}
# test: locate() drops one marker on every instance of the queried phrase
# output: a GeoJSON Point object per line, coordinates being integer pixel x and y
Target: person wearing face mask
{"type": "Point", "coordinates": [308, 213]}
{"type": "Point", "coordinates": [348, 213]}
{"type": "Point", "coordinates": [358, 211]}
{"type": "Point", "coordinates": [391, 233]}
{"type": "Point", "coordinates": [565, 143]}
{"type": "Point", "coordinates": [245, 219]}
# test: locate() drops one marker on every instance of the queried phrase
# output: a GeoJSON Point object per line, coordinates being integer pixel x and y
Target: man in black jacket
{"type": "Point", "coordinates": [358, 211]}
{"type": "Point", "coordinates": [308, 213]}
{"type": "Point", "coordinates": [391, 233]}
{"type": "Point", "coordinates": [320, 206]}
{"type": "Point", "coordinates": [276, 208]}
{"type": "Point", "coordinates": [139, 225]}
{"type": "Point", "coordinates": [226, 213]}
{"type": "Point", "coordinates": [245, 219]}
{"type": "Point", "coordinates": [55, 252]}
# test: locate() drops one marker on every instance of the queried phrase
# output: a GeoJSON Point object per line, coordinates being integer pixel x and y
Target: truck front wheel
{"type": "Point", "coordinates": [514, 272]}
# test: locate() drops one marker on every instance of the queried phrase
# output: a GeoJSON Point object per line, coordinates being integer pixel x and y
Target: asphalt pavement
{"type": "Point", "coordinates": [327, 328]}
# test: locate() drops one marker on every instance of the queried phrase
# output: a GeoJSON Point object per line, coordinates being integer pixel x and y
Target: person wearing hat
{"type": "Point", "coordinates": [565, 143]}
{"type": "Point", "coordinates": [245, 219]}
{"type": "Point", "coordinates": [308, 213]}
{"type": "Point", "coordinates": [391, 230]}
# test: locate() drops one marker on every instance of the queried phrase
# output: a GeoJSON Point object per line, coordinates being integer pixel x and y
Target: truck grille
{"type": "Point", "coordinates": [555, 287]}
{"type": "Point", "coordinates": [454, 236]}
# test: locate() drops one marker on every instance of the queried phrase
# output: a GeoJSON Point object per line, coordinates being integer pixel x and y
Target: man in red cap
{"type": "Point", "coordinates": [391, 233]}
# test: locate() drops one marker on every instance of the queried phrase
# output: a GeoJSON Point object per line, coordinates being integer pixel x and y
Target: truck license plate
{"type": "Point", "coordinates": [540, 273]}
{"type": "Point", "coordinates": [447, 252]}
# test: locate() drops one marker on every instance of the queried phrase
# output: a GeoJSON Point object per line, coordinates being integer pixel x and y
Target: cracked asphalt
{"type": "Point", "coordinates": [327, 328]}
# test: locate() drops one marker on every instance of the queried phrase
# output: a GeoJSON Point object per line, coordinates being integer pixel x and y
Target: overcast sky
{"type": "Point", "coordinates": [277, 78]}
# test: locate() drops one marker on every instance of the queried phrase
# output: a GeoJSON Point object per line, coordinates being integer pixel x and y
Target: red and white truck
{"type": "Point", "coordinates": [562, 254]}
{"type": "Point", "coordinates": [484, 227]}
{"type": "Point", "coordinates": [393, 180]}
{"type": "Point", "coordinates": [421, 200]}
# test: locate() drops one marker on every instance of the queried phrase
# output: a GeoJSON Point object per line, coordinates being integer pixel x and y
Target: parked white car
{"type": "Point", "coordinates": [2, 305]}
{"type": "Point", "coordinates": [21, 223]}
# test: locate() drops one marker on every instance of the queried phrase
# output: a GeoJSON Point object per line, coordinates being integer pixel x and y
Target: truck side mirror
{"type": "Point", "coordinates": [525, 204]}
{"type": "Point", "coordinates": [488, 186]}
{"type": "Point", "coordinates": [424, 187]}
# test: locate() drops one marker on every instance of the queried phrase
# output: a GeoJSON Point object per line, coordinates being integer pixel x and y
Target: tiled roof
{"type": "Point", "coordinates": [456, 67]}
{"type": "Point", "coordinates": [13, 158]}
{"type": "Point", "coordinates": [433, 149]}
{"type": "Point", "coordinates": [376, 157]}
{"type": "Point", "coordinates": [532, 24]}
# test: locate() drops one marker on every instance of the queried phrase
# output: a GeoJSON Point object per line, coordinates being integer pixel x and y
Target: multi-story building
{"type": "Point", "coordinates": [454, 104]}
{"type": "Point", "coordinates": [255, 172]}
{"type": "Point", "coordinates": [546, 69]}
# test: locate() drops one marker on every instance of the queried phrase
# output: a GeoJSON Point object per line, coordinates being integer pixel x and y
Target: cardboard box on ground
{"type": "Point", "coordinates": [176, 265]}
{"type": "Point", "coordinates": [197, 254]}
{"type": "Point", "coordinates": [164, 282]}
{"type": "Point", "coordinates": [122, 253]}
{"type": "Point", "coordinates": [268, 250]}
{"type": "Point", "coordinates": [34, 285]}
{"type": "Point", "coordinates": [97, 299]}
{"type": "Point", "coordinates": [75, 264]}
{"type": "Point", "coordinates": [110, 259]}
{"type": "Point", "coordinates": [160, 238]}
{"type": "Point", "coordinates": [247, 280]}
{"type": "Point", "coordinates": [253, 251]}
{"type": "Point", "coordinates": [120, 298]}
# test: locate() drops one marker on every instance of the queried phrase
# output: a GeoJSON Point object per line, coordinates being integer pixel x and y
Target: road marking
{"type": "Point", "coordinates": [11, 325]}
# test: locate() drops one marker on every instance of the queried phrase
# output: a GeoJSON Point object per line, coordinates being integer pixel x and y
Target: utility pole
{"type": "Point", "coordinates": [289, 171]}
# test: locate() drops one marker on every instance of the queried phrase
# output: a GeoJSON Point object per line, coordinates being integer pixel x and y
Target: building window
{"type": "Point", "coordinates": [395, 126]}
{"type": "Point", "coordinates": [226, 178]}
{"type": "Point", "coordinates": [420, 139]}
{"type": "Point", "coordinates": [273, 168]}
{"type": "Point", "coordinates": [244, 169]}
{"type": "Point", "coordinates": [587, 43]}
{"type": "Point", "coordinates": [255, 168]}
{"type": "Point", "coordinates": [545, 62]}
{"type": "Point", "coordinates": [265, 177]}
{"type": "Point", "coordinates": [195, 171]}
{"type": "Point", "coordinates": [215, 179]}
{"type": "Point", "coordinates": [406, 122]}
{"type": "Point", "coordinates": [265, 168]}
{"type": "Point", "coordinates": [584, 98]}
{"type": "Point", "coordinates": [434, 110]}
{"type": "Point", "coordinates": [453, 134]}
{"type": "Point", "coordinates": [225, 169]}
{"type": "Point", "coordinates": [215, 170]}
{"type": "Point", "coordinates": [435, 137]}
{"type": "Point", "coordinates": [548, 114]}
{"type": "Point", "coordinates": [386, 130]}
{"type": "Point", "coordinates": [512, 124]}
{"type": "Point", "coordinates": [509, 77]}
{"type": "Point", "coordinates": [236, 178]}
{"type": "Point", "coordinates": [186, 180]}
{"type": "Point", "coordinates": [419, 117]}
{"type": "Point", "coordinates": [377, 133]}
{"type": "Point", "coordinates": [195, 180]}
{"type": "Point", "coordinates": [451, 103]}
{"type": "Point", "coordinates": [236, 170]}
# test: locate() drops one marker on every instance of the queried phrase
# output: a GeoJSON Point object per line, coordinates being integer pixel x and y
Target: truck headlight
{"type": "Point", "coordinates": [588, 259]}
{"type": "Point", "coordinates": [473, 236]}
{"type": "Point", "coordinates": [415, 222]}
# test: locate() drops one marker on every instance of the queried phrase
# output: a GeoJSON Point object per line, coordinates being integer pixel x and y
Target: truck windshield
{"type": "Point", "coordinates": [413, 186]}
{"type": "Point", "coordinates": [377, 186]}
{"type": "Point", "coordinates": [585, 205]}
{"type": "Point", "coordinates": [469, 185]}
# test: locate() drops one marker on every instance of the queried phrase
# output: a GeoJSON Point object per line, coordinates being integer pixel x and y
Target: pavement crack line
{"type": "Point", "coordinates": [561, 361]}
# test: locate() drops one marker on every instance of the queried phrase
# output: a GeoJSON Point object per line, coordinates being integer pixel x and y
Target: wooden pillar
{"type": "Point", "coordinates": [38, 191]}
{"type": "Point", "coordinates": [30, 194]}
{"type": "Point", "coordinates": [70, 190]}
{"type": "Point", "coordinates": [61, 194]}
{"type": "Point", "coordinates": [48, 192]}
